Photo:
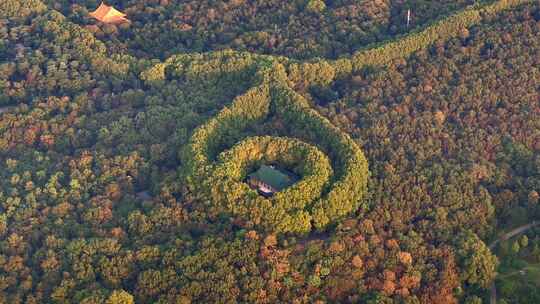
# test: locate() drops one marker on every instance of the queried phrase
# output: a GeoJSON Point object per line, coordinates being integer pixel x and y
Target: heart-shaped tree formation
{"type": "Point", "coordinates": [332, 167]}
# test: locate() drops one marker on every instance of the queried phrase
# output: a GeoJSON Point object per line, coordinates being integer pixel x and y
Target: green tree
{"type": "Point", "coordinates": [315, 6]}
{"type": "Point", "coordinates": [515, 247]}
{"type": "Point", "coordinates": [524, 241]}
{"type": "Point", "coordinates": [476, 261]}
{"type": "Point", "coordinates": [120, 297]}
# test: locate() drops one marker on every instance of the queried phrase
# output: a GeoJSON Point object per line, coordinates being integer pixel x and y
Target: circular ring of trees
{"type": "Point", "coordinates": [289, 209]}
{"type": "Point", "coordinates": [215, 175]}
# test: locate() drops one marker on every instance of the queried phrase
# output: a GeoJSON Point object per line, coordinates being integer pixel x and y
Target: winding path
{"type": "Point", "coordinates": [513, 233]}
{"type": "Point", "coordinates": [504, 237]}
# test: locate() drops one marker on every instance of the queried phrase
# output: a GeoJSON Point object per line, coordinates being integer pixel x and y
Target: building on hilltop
{"type": "Point", "coordinates": [268, 180]}
{"type": "Point", "coordinates": [108, 14]}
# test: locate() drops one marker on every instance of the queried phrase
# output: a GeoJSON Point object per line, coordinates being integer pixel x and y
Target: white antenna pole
{"type": "Point", "coordinates": [408, 17]}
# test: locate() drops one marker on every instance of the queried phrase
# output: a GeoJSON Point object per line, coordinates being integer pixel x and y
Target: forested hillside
{"type": "Point", "coordinates": [296, 29]}
{"type": "Point", "coordinates": [124, 150]}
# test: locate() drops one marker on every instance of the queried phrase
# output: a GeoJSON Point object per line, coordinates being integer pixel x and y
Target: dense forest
{"type": "Point", "coordinates": [124, 149]}
{"type": "Point", "coordinates": [298, 29]}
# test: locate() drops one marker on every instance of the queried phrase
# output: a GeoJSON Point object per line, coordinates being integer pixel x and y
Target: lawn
{"type": "Point", "coordinates": [519, 282]}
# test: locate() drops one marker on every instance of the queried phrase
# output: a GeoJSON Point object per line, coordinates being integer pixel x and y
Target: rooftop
{"type": "Point", "coordinates": [273, 177]}
{"type": "Point", "coordinates": [108, 14]}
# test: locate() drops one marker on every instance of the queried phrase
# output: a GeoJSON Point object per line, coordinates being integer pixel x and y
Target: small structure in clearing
{"type": "Point", "coordinates": [108, 14]}
{"type": "Point", "coordinates": [269, 180]}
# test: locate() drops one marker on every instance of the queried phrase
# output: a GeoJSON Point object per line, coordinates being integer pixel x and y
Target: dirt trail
{"type": "Point", "coordinates": [504, 237]}
{"type": "Point", "coordinates": [513, 233]}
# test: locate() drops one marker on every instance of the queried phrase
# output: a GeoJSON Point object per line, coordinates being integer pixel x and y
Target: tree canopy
{"type": "Point", "coordinates": [124, 148]}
